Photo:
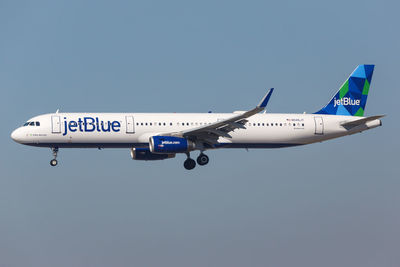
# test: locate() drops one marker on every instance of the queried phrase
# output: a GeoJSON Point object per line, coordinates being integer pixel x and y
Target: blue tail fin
{"type": "Point", "coordinates": [352, 96]}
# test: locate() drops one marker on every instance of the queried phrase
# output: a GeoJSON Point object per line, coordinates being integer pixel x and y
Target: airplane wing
{"type": "Point", "coordinates": [210, 133]}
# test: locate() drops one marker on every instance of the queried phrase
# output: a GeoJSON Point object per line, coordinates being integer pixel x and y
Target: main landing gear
{"type": "Point", "coordinates": [190, 163]}
{"type": "Point", "coordinates": [54, 162]}
{"type": "Point", "coordinates": [202, 159]}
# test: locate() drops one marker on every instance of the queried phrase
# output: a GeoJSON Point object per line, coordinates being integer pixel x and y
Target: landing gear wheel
{"type": "Point", "coordinates": [54, 162]}
{"type": "Point", "coordinates": [189, 164]}
{"type": "Point", "coordinates": [202, 159]}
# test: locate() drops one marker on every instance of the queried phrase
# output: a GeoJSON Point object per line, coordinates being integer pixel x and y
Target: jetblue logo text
{"type": "Point", "coordinates": [170, 142]}
{"type": "Point", "coordinates": [89, 124]}
{"type": "Point", "coordinates": [346, 101]}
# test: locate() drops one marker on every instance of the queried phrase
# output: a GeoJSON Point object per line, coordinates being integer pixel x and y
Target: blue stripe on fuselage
{"type": "Point", "coordinates": [130, 145]}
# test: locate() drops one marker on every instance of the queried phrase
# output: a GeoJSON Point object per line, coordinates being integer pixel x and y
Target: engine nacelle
{"type": "Point", "coordinates": [170, 144]}
{"type": "Point", "coordinates": [145, 154]}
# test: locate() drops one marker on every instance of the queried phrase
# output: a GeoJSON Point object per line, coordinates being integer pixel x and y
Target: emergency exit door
{"type": "Point", "coordinates": [130, 124]}
{"type": "Point", "coordinates": [319, 125]}
{"type": "Point", "coordinates": [55, 124]}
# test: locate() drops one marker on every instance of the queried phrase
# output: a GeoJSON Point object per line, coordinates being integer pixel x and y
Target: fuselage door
{"type": "Point", "coordinates": [55, 124]}
{"type": "Point", "coordinates": [130, 124]}
{"type": "Point", "coordinates": [319, 125]}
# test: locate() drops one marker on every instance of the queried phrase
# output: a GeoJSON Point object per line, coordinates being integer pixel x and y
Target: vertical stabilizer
{"type": "Point", "coordinates": [352, 96]}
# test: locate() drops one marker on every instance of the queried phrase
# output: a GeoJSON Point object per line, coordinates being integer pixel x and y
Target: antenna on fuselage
{"type": "Point", "coordinates": [57, 111]}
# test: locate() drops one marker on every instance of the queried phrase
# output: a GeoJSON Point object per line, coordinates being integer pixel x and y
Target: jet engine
{"type": "Point", "coordinates": [170, 144]}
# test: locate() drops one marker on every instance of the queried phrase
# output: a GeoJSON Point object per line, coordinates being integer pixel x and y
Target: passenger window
{"type": "Point", "coordinates": [263, 124]}
{"type": "Point", "coordinates": [37, 123]}
{"type": "Point", "coordinates": [280, 124]}
{"type": "Point", "coordinates": [302, 124]}
{"type": "Point", "coordinates": [164, 123]}
{"type": "Point", "coordinates": [141, 123]}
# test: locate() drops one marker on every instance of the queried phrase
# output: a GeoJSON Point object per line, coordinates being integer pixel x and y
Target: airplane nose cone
{"type": "Point", "coordinates": [16, 135]}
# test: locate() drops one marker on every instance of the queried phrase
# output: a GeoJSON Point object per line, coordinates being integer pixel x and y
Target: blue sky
{"type": "Point", "coordinates": [329, 204]}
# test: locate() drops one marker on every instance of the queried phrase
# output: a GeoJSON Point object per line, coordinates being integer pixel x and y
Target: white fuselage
{"type": "Point", "coordinates": [107, 130]}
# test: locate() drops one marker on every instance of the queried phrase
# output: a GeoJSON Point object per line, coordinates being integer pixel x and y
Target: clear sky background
{"type": "Point", "coordinates": [329, 204]}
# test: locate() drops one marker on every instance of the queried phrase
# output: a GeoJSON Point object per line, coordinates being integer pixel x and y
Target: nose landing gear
{"type": "Point", "coordinates": [54, 162]}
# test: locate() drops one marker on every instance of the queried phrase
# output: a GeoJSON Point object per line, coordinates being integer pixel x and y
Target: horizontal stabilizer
{"type": "Point", "coordinates": [360, 121]}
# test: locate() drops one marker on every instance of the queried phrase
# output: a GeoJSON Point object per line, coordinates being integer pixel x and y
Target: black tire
{"type": "Point", "coordinates": [53, 162]}
{"type": "Point", "coordinates": [189, 164]}
{"type": "Point", "coordinates": [202, 159]}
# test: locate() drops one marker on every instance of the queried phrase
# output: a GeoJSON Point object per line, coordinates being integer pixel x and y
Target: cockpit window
{"type": "Point", "coordinates": [32, 123]}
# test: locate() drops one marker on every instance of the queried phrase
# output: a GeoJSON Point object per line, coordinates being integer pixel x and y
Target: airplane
{"type": "Point", "coordinates": [159, 136]}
